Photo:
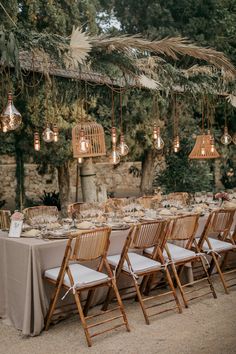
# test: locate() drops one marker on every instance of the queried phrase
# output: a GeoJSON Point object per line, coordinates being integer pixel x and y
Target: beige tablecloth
{"type": "Point", "coordinates": [24, 296]}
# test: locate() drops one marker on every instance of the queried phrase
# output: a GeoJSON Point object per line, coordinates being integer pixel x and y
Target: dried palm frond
{"type": "Point", "coordinates": [171, 47]}
{"type": "Point", "coordinates": [232, 100]}
{"type": "Point", "coordinates": [197, 69]}
{"type": "Point", "coordinates": [148, 83]}
{"type": "Point", "coordinates": [79, 46]}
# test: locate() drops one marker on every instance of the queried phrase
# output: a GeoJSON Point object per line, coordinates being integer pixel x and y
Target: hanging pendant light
{"type": "Point", "coordinates": [80, 160]}
{"type": "Point", "coordinates": [226, 138]}
{"type": "Point", "coordinates": [11, 119]}
{"type": "Point", "coordinates": [113, 135]}
{"type": "Point", "coordinates": [155, 132]}
{"type": "Point", "coordinates": [55, 133]}
{"type": "Point", "coordinates": [176, 144]}
{"type": "Point", "coordinates": [36, 141]}
{"type": "Point", "coordinates": [48, 134]}
{"type": "Point", "coordinates": [158, 142]}
{"type": "Point", "coordinates": [114, 157]}
{"type": "Point", "coordinates": [123, 147]}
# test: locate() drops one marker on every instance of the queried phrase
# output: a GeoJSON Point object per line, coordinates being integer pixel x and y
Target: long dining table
{"type": "Point", "coordinates": [24, 295]}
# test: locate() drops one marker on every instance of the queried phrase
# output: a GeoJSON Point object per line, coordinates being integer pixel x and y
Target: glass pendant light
{"type": "Point", "coordinates": [48, 134]}
{"type": "Point", "coordinates": [123, 147]}
{"type": "Point", "coordinates": [158, 142]}
{"type": "Point", "coordinates": [55, 133]}
{"type": "Point", "coordinates": [226, 138]}
{"type": "Point", "coordinates": [114, 157]}
{"type": "Point", "coordinates": [11, 118]}
{"type": "Point", "coordinates": [36, 141]}
{"type": "Point", "coordinates": [83, 142]}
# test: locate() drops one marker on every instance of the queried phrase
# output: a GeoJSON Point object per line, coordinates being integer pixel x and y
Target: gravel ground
{"type": "Point", "coordinates": [208, 326]}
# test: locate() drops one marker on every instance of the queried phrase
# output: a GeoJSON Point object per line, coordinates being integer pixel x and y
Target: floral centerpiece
{"type": "Point", "coordinates": [222, 196]}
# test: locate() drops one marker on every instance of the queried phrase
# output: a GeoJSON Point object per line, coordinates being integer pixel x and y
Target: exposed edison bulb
{"type": "Point", "coordinates": [113, 135]}
{"type": "Point", "coordinates": [80, 160]}
{"type": "Point", "coordinates": [11, 118]}
{"type": "Point", "coordinates": [158, 142]}
{"type": "Point", "coordinates": [154, 132]}
{"type": "Point", "coordinates": [55, 134]}
{"type": "Point", "coordinates": [83, 143]}
{"type": "Point", "coordinates": [226, 138]}
{"type": "Point", "coordinates": [4, 127]}
{"type": "Point", "coordinates": [122, 148]}
{"type": "Point", "coordinates": [36, 141]}
{"type": "Point", "coordinates": [114, 157]}
{"type": "Point", "coordinates": [176, 144]}
{"type": "Point", "coordinates": [212, 144]}
{"type": "Point", "coordinates": [48, 135]}
{"type": "Point", "coordinates": [203, 148]}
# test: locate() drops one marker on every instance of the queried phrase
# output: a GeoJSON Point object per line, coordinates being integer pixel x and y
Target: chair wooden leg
{"type": "Point", "coordinates": [220, 273]}
{"type": "Point", "coordinates": [141, 302]}
{"type": "Point", "coordinates": [82, 317]}
{"type": "Point", "coordinates": [108, 299]}
{"type": "Point", "coordinates": [52, 307]}
{"type": "Point", "coordinates": [88, 301]}
{"type": "Point", "coordinates": [173, 289]}
{"type": "Point", "coordinates": [208, 278]}
{"type": "Point", "coordinates": [178, 282]}
{"type": "Point", "coordinates": [121, 306]}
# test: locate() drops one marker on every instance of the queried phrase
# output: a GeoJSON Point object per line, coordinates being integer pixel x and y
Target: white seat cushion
{"type": "Point", "coordinates": [82, 276]}
{"type": "Point", "coordinates": [139, 263]}
{"type": "Point", "coordinates": [216, 245]}
{"type": "Point", "coordinates": [177, 253]}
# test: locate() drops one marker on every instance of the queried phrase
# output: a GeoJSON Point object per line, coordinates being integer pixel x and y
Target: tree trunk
{"type": "Point", "coordinates": [64, 186]}
{"type": "Point", "coordinates": [88, 181]}
{"type": "Point", "coordinates": [148, 172]}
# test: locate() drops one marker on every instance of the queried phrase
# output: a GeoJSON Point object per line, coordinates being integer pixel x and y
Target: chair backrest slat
{"type": "Point", "coordinates": [149, 234]}
{"type": "Point", "coordinates": [184, 228]}
{"type": "Point", "coordinates": [41, 214]}
{"type": "Point", "coordinates": [90, 245]}
{"type": "Point", "coordinates": [219, 222]}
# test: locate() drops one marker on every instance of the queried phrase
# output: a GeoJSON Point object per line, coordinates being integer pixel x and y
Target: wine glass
{"type": "Point", "coordinates": [198, 197]}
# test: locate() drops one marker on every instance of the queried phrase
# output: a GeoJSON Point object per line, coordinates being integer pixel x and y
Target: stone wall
{"type": "Point", "coordinates": [115, 180]}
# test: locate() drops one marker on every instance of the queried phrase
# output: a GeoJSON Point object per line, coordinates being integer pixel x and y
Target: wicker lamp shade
{"type": "Point", "coordinates": [94, 133]}
{"type": "Point", "coordinates": [204, 148]}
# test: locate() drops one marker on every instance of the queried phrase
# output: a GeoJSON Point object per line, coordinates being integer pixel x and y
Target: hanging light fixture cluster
{"type": "Point", "coordinates": [50, 133]}
{"type": "Point", "coordinates": [157, 139]}
{"type": "Point", "coordinates": [10, 118]}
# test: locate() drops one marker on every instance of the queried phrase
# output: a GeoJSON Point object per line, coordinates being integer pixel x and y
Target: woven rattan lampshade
{"type": "Point", "coordinates": [94, 133]}
{"type": "Point", "coordinates": [204, 148]}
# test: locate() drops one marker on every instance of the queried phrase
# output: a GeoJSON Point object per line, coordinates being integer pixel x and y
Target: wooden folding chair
{"type": "Point", "coordinates": [74, 209]}
{"type": "Point", "coordinates": [85, 246]}
{"type": "Point", "coordinates": [183, 231]}
{"type": "Point", "coordinates": [41, 214]}
{"type": "Point", "coordinates": [219, 224]}
{"type": "Point", "coordinates": [5, 220]}
{"type": "Point", "coordinates": [134, 265]}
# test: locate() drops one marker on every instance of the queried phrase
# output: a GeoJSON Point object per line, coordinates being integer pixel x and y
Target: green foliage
{"type": "Point", "coordinates": [182, 174]}
{"type": "Point", "coordinates": [51, 199]}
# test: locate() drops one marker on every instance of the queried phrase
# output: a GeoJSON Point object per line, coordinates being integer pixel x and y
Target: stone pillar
{"type": "Point", "coordinates": [88, 181]}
